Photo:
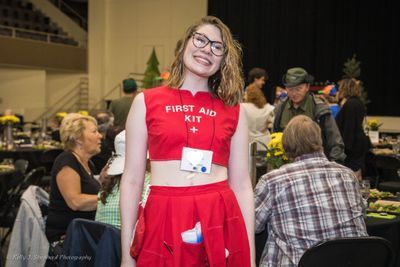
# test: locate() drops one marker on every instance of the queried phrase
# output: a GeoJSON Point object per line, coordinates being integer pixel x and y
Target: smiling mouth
{"type": "Point", "coordinates": [202, 60]}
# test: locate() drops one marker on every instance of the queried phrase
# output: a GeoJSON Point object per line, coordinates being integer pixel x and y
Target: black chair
{"type": "Point", "coordinates": [99, 242]}
{"type": "Point", "coordinates": [9, 186]}
{"type": "Point", "coordinates": [21, 165]}
{"type": "Point", "coordinates": [11, 197]}
{"type": "Point", "coordinates": [387, 169]}
{"type": "Point", "coordinates": [350, 252]}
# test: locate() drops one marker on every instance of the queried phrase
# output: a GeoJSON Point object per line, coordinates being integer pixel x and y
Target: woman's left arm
{"type": "Point", "coordinates": [239, 178]}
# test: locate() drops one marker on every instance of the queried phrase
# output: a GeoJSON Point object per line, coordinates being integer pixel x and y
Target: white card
{"type": "Point", "coordinates": [374, 137]}
{"type": "Point", "coordinates": [196, 160]}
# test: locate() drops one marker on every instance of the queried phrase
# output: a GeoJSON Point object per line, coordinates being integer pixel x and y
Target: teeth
{"type": "Point", "coordinates": [203, 60]}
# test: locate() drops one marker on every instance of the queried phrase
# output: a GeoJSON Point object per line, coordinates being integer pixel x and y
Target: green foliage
{"type": "Point", "coordinates": [152, 74]}
{"type": "Point", "coordinates": [352, 69]}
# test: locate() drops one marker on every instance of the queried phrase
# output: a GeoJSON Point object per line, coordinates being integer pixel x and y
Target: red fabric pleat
{"type": "Point", "coordinates": [170, 211]}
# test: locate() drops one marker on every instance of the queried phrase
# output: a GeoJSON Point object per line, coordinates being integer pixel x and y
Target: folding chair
{"type": "Point", "coordinates": [350, 252]}
{"type": "Point", "coordinates": [21, 165]}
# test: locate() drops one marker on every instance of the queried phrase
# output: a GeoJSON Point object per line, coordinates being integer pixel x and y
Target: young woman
{"type": "Point", "coordinates": [350, 123]}
{"type": "Point", "coordinates": [197, 138]}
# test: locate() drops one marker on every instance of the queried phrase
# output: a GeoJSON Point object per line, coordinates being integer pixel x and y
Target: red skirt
{"type": "Point", "coordinates": [170, 211]}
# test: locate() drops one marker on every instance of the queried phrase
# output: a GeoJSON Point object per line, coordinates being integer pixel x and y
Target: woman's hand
{"type": "Point", "coordinates": [103, 173]}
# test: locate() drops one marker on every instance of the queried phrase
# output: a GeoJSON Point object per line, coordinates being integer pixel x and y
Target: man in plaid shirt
{"type": "Point", "coordinates": [307, 201]}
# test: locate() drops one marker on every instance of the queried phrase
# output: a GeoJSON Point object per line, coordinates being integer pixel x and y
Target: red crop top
{"type": "Point", "coordinates": [166, 115]}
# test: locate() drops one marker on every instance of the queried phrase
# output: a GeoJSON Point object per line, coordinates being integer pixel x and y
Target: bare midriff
{"type": "Point", "coordinates": [168, 173]}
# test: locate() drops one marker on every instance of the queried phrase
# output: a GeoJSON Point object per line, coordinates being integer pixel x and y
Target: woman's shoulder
{"type": "Point", "coordinates": [156, 91]}
{"type": "Point", "coordinates": [66, 158]}
{"type": "Point", "coordinates": [65, 155]}
{"type": "Point", "coordinates": [353, 102]}
{"type": "Point", "coordinates": [268, 107]}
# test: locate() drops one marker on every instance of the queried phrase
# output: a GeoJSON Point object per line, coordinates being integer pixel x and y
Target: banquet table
{"type": "Point", "coordinates": [386, 228]}
{"type": "Point", "coordinates": [33, 155]}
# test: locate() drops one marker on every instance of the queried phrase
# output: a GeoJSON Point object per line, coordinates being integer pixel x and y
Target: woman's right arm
{"type": "Point", "coordinates": [69, 184]}
{"type": "Point", "coordinates": [133, 177]}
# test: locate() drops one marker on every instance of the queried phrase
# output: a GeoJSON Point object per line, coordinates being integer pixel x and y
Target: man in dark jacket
{"type": "Point", "coordinates": [120, 107]}
{"type": "Point", "coordinates": [300, 101]}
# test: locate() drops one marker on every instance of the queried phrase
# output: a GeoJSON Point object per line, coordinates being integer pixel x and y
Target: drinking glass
{"type": "Point", "coordinates": [365, 187]}
{"type": "Point", "coordinates": [396, 146]}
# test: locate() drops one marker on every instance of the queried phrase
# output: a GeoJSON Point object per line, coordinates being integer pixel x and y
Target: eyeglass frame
{"type": "Point", "coordinates": [209, 42]}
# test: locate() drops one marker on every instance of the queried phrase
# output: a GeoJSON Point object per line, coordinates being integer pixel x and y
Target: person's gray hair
{"type": "Point", "coordinates": [301, 136]}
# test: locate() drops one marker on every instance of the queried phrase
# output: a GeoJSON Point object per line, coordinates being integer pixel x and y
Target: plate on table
{"type": "Point", "coordinates": [375, 193]}
{"type": "Point", "coordinates": [383, 151]}
{"type": "Point", "coordinates": [390, 207]}
{"type": "Point", "coordinates": [6, 167]}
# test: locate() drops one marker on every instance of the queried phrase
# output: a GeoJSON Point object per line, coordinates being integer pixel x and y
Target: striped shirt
{"type": "Point", "coordinates": [303, 203]}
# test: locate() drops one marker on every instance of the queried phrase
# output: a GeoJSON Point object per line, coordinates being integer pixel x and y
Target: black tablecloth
{"type": "Point", "coordinates": [34, 156]}
{"type": "Point", "coordinates": [388, 229]}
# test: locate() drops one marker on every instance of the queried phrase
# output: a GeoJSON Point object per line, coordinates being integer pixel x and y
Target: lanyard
{"type": "Point", "coordinates": [186, 124]}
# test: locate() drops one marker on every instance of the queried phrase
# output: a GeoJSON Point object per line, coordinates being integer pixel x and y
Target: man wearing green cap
{"type": "Point", "coordinates": [301, 102]}
{"type": "Point", "coordinates": [120, 107]}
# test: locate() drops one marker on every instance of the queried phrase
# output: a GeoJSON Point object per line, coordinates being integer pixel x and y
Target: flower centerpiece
{"type": "Point", "coordinates": [60, 115]}
{"type": "Point", "coordinates": [276, 154]}
{"type": "Point", "coordinates": [83, 112]}
{"type": "Point", "coordinates": [9, 119]}
{"type": "Point", "coordinates": [373, 125]}
{"type": "Point", "coordinates": [373, 130]}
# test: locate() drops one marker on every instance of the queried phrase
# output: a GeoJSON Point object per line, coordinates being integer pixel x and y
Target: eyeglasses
{"type": "Point", "coordinates": [201, 41]}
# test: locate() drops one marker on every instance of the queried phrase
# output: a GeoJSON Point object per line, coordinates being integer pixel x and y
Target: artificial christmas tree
{"type": "Point", "coordinates": [351, 69]}
{"type": "Point", "coordinates": [152, 74]}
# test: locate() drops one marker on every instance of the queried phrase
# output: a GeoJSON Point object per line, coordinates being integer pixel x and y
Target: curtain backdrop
{"type": "Point", "coordinates": [320, 36]}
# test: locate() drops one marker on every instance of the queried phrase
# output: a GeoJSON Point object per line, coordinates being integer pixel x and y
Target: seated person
{"type": "Point", "coordinates": [307, 201]}
{"type": "Point", "coordinates": [55, 124]}
{"type": "Point", "coordinates": [280, 94]}
{"type": "Point", "coordinates": [108, 203]}
{"type": "Point", "coordinates": [73, 192]}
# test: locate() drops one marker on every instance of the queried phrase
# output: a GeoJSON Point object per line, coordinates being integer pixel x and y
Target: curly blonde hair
{"type": "Point", "coordinates": [227, 83]}
{"type": "Point", "coordinates": [71, 129]}
{"type": "Point", "coordinates": [256, 96]}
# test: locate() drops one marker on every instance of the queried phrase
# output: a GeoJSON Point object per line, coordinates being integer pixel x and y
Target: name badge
{"type": "Point", "coordinates": [196, 160]}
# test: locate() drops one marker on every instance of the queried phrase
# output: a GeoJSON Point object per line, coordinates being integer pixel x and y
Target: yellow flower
{"type": "Point", "coordinates": [276, 154]}
{"type": "Point", "coordinates": [83, 112]}
{"type": "Point", "coordinates": [61, 114]}
{"type": "Point", "coordinates": [9, 118]}
{"type": "Point", "coordinates": [373, 124]}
